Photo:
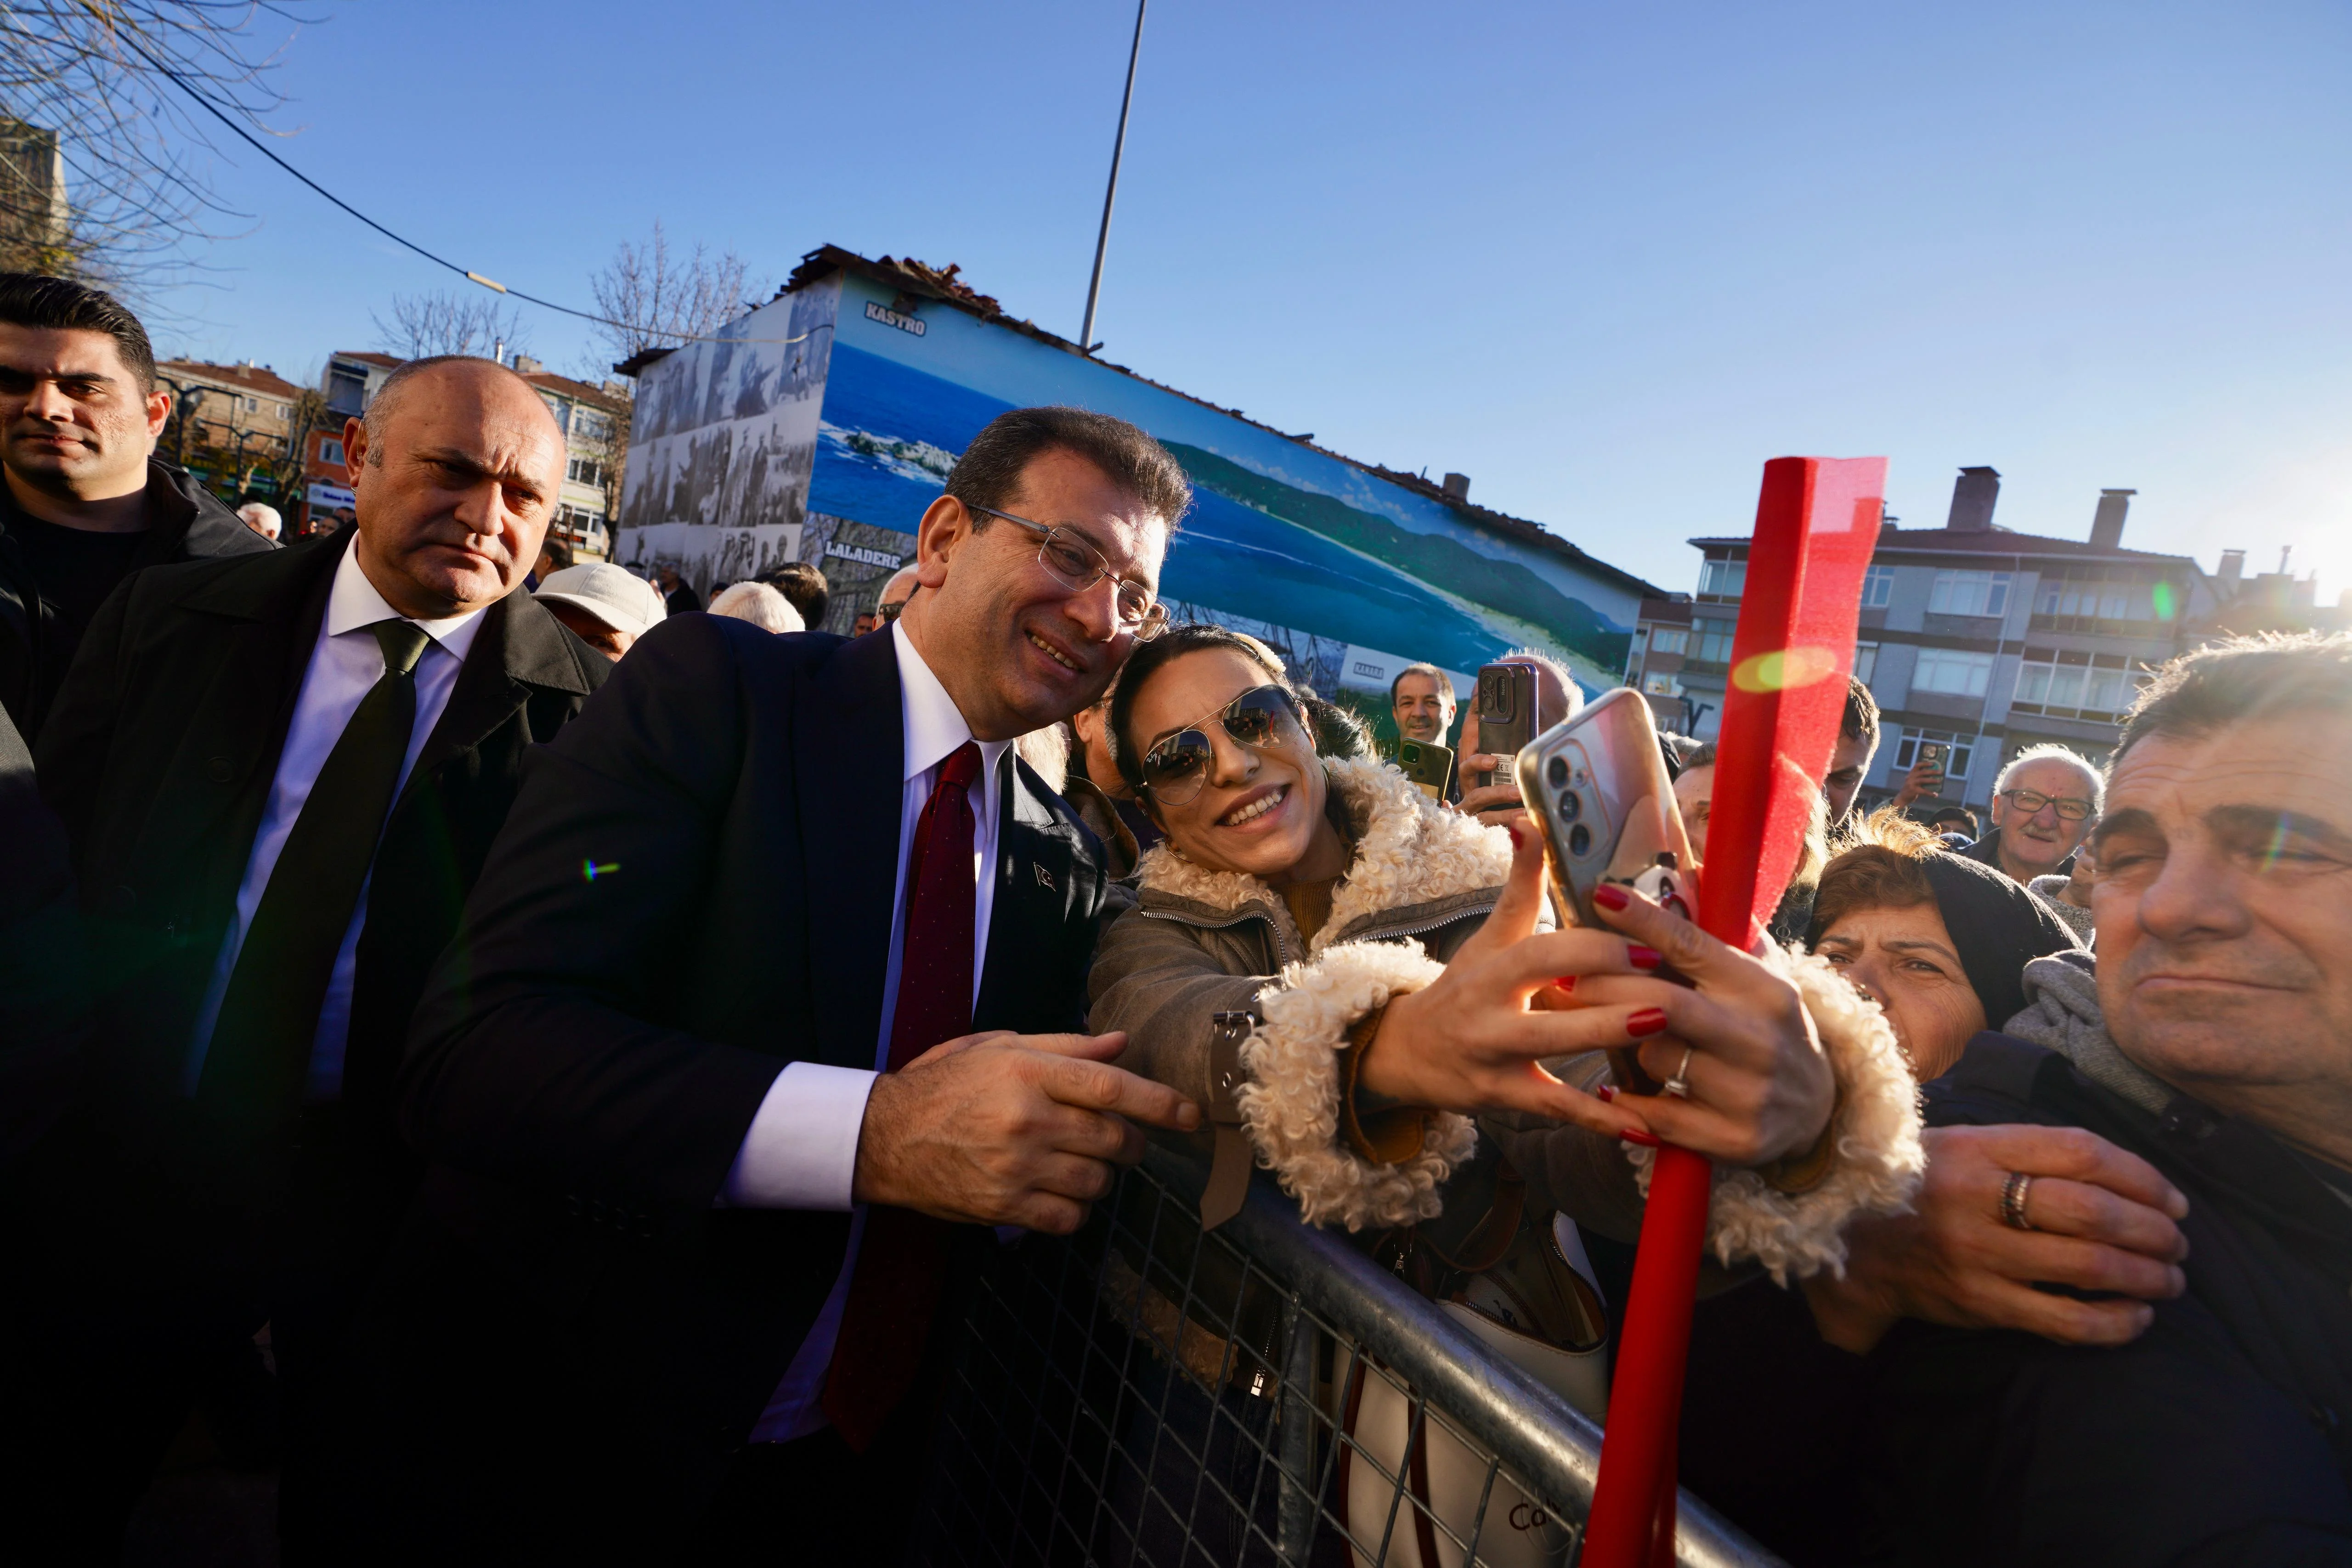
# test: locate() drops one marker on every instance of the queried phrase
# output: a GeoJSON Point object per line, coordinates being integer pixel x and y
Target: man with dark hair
{"type": "Point", "coordinates": [85, 502]}
{"type": "Point", "coordinates": [738, 1033]}
{"type": "Point", "coordinates": [1857, 742]}
{"type": "Point", "coordinates": [2217, 1047]}
{"type": "Point", "coordinates": [804, 589]}
{"type": "Point", "coordinates": [279, 774]}
{"type": "Point", "coordinates": [1420, 699]}
{"type": "Point", "coordinates": [554, 556]}
{"type": "Point", "coordinates": [678, 596]}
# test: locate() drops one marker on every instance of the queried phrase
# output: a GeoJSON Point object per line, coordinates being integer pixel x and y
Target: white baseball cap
{"type": "Point", "coordinates": [620, 600]}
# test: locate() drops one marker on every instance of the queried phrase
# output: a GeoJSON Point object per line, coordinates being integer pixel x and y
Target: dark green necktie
{"type": "Point", "coordinates": [260, 1051]}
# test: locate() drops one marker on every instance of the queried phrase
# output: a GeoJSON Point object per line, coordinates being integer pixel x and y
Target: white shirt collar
{"type": "Point", "coordinates": [354, 603]}
{"type": "Point", "coordinates": [935, 726]}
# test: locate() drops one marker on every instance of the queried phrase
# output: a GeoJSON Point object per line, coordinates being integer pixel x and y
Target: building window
{"type": "Point", "coordinates": [2085, 598]}
{"type": "Point", "coordinates": [1969, 593]}
{"type": "Point", "coordinates": [1722, 578]}
{"type": "Point", "coordinates": [1711, 642]}
{"type": "Point", "coordinates": [584, 471]}
{"type": "Point", "coordinates": [1865, 662]}
{"type": "Point", "coordinates": [1661, 686]}
{"type": "Point", "coordinates": [1956, 760]}
{"type": "Point", "coordinates": [330, 449]}
{"type": "Point", "coordinates": [2070, 685]}
{"type": "Point", "coordinates": [589, 426]}
{"type": "Point", "coordinates": [1877, 586]}
{"type": "Point", "coordinates": [1669, 639]}
{"type": "Point", "coordinates": [252, 404]}
{"type": "Point", "coordinates": [1951, 672]}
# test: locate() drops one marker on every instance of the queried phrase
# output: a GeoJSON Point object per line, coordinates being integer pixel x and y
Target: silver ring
{"type": "Point", "coordinates": [2013, 1201]}
{"type": "Point", "coordinates": [1679, 1086]}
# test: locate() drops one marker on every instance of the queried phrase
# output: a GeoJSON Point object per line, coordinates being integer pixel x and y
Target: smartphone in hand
{"type": "Point", "coordinates": [1597, 787]}
{"type": "Point", "coordinates": [1506, 710]}
{"type": "Point", "coordinates": [1427, 766]}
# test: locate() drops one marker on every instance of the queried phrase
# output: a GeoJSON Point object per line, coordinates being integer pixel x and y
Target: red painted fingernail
{"type": "Point", "coordinates": [1513, 829]}
{"type": "Point", "coordinates": [1647, 1140]}
{"type": "Point", "coordinates": [1641, 958]}
{"type": "Point", "coordinates": [1608, 896]}
{"type": "Point", "coordinates": [1566, 982]}
{"type": "Point", "coordinates": [1649, 1021]}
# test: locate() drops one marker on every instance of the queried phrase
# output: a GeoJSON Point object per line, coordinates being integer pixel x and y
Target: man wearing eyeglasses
{"type": "Point", "coordinates": [740, 1054]}
{"type": "Point", "coordinates": [2043, 803]}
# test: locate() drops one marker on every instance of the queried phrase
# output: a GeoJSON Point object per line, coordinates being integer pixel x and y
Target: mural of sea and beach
{"type": "Point", "coordinates": [1256, 546]}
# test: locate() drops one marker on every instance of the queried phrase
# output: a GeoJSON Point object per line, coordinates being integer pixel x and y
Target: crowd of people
{"type": "Point", "coordinates": [540, 1058]}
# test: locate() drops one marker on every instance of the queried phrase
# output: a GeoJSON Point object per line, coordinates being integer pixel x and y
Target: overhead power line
{"type": "Point", "coordinates": [467, 273]}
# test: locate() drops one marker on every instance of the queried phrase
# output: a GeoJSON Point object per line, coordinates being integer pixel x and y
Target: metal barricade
{"type": "Point", "coordinates": [1139, 1396]}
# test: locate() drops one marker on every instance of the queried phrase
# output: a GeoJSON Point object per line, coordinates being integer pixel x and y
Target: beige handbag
{"type": "Point", "coordinates": [1539, 1309]}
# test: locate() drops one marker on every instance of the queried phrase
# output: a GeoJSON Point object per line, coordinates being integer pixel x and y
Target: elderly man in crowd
{"type": "Point", "coordinates": [763, 1047]}
{"type": "Point", "coordinates": [897, 588]}
{"type": "Point", "coordinates": [2042, 804]}
{"type": "Point", "coordinates": [85, 502]}
{"type": "Point", "coordinates": [262, 518]}
{"type": "Point", "coordinates": [280, 774]}
{"type": "Point", "coordinates": [605, 606]}
{"type": "Point", "coordinates": [2225, 982]}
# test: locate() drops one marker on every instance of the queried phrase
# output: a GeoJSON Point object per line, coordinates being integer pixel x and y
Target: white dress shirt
{"type": "Point", "coordinates": [345, 661]}
{"type": "Point", "coordinates": [801, 1149]}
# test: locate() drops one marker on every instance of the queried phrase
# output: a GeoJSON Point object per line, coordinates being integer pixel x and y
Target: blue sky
{"type": "Point", "coordinates": [1605, 259]}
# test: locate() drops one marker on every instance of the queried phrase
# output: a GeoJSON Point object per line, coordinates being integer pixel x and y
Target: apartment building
{"type": "Point", "coordinates": [1985, 639]}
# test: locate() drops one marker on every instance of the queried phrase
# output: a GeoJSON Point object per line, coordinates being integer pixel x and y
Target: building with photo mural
{"type": "Point", "coordinates": [1985, 639]}
{"type": "Point", "coordinates": [827, 422]}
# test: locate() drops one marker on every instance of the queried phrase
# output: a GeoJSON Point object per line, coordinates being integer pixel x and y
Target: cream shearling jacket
{"type": "Point", "coordinates": [1201, 942]}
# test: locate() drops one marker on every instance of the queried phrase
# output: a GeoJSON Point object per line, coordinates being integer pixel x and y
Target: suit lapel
{"type": "Point", "coordinates": [848, 751]}
{"type": "Point", "coordinates": [1038, 880]}
{"type": "Point", "coordinates": [520, 648]}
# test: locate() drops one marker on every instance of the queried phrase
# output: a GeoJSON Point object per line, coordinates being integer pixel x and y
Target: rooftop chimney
{"type": "Point", "coordinates": [2107, 522]}
{"type": "Point", "coordinates": [1457, 486]}
{"type": "Point", "coordinates": [525, 365]}
{"type": "Point", "coordinates": [1973, 494]}
{"type": "Point", "coordinates": [2233, 568]}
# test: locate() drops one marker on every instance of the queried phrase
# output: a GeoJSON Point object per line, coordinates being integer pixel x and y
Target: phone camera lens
{"type": "Point", "coordinates": [1579, 841]}
{"type": "Point", "coordinates": [1570, 806]}
{"type": "Point", "coordinates": [1557, 772]}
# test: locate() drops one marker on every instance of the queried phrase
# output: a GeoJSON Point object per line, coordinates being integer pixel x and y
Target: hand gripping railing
{"type": "Point", "coordinates": [1139, 1394]}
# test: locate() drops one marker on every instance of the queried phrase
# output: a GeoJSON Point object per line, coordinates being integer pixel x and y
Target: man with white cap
{"type": "Point", "coordinates": [607, 606]}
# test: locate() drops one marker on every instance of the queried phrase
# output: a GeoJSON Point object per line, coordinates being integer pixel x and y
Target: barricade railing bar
{"type": "Point", "coordinates": [1139, 1396]}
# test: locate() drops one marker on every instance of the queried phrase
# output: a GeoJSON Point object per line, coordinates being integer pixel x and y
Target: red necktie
{"type": "Point", "coordinates": [894, 1288]}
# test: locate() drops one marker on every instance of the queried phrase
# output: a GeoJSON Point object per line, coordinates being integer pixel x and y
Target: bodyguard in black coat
{"type": "Point", "coordinates": [259, 931]}
{"type": "Point", "coordinates": [644, 1071]}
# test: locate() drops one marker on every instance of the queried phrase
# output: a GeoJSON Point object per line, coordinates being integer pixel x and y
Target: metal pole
{"type": "Point", "coordinates": [1117, 150]}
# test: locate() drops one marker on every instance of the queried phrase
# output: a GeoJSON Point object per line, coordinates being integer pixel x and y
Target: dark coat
{"type": "Point", "coordinates": [185, 522]}
{"type": "Point", "coordinates": [160, 755]}
{"type": "Point", "coordinates": [2224, 1435]}
{"type": "Point", "coordinates": [695, 889]}
{"type": "Point", "coordinates": [44, 980]}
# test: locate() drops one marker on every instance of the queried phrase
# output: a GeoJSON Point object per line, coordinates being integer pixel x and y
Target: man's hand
{"type": "Point", "coordinates": [1924, 782]}
{"type": "Point", "coordinates": [1010, 1129]}
{"type": "Point", "coordinates": [2103, 1220]}
{"type": "Point", "coordinates": [1494, 804]}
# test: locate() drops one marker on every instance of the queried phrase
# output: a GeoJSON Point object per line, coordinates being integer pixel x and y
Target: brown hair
{"type": "Point", "coordinates": [989, 472]}
{"type": "Point", "coordinates": [2243, 679]}
{"type": "Point", "coordinates": [59, 304]}
{"type": "Point", "coordinates": [1879, 870]}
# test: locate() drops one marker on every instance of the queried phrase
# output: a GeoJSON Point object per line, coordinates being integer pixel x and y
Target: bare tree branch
{"type": "Point", "coordinates": [443, 323]}
{"type": "Point", "coordinates": [86, 113]}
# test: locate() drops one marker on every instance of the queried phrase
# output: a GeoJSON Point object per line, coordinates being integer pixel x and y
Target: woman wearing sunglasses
{"type": "Point", "coordinates": [1389, 952]}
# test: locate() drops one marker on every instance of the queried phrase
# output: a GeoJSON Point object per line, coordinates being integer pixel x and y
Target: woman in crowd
{"type": "Point", "coordinates": [1383, 959]}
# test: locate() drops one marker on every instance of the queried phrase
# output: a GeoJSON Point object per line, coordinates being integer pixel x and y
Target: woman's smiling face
{"type": "Point", "coordinates": [1257, 808]}
{"type": "Point", "coordinates": [1907, 961]}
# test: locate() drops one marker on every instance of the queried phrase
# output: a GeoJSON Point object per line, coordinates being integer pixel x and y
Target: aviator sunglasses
{"type": "Point", "coordinates": [1175, 768]}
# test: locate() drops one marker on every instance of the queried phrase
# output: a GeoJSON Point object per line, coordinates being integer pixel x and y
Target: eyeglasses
{"type": "Point", "coordinates": [1071, 559]}
{"type": "Point", "coordinates": [1175, 768]}
{"type": "Point", "coordinates": [885, 613]}
{"type": "Point", "coordinates": [2074, 809]}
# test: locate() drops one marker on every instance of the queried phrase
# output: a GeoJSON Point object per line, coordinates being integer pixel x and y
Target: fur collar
{"type": "Point", "coordinates": [1409, 851]}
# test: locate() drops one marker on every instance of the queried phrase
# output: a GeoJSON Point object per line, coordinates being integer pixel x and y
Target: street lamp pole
{"type": "Point", "coordinates": [1119, 149]}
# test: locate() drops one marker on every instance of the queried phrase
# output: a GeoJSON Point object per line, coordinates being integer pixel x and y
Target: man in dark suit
{"type": "Point", "coordinates": [84, 502]}
{"type": "Point", "coordinates": [280, 775]}
{"type": "Point", "coordinates": [672, 1282]}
